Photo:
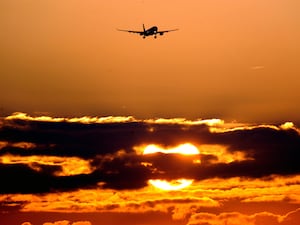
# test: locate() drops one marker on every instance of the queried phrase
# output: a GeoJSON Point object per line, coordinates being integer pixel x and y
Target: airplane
{"type": "Point", "coordinates": [151, 31]}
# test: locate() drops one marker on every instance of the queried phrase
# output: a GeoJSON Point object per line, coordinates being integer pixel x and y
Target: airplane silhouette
{"type": "Point", "coordinates": [151, 31]}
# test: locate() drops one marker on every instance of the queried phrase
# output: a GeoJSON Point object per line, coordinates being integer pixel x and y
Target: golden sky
{"type": "Point", "coordinates": [196, 127]}
{"type": "Point", "coordinates": [230, 59]}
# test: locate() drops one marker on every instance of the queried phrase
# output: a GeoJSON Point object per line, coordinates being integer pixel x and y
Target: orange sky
{"type": "Point", "coordinates": [233, 60]}
{"type": "Point", "coordinates": [230, 59]}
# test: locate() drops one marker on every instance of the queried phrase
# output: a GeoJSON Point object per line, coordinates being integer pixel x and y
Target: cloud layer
{"type": "Point", "coordinates": [104, 151]}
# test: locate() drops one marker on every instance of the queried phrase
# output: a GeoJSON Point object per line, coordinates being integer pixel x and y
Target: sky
{"type": "Point", "coordinates": [235, 60]}
{"type": "Point", "coordinates": [196, 127]}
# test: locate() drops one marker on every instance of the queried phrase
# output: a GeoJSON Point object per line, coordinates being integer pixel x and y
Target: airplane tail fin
{"type": "Point", "coordinates": [144, 27]}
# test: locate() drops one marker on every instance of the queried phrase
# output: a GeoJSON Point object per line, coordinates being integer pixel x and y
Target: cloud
{"type": "Point", "coordinates": [228, 218]}
{"type": "Point", "coordinates": [84, 119]}
{"type": "Point", "coordinates": [66, 222]}
{"type": "Point", "coordinates": [61, 166]}
{"type": "Point", "coordinates": [20, 178]}
{"type": "Point", "coordinates": [291, 218]}
{"type": "Point", "coordinates": [236, 218]}
{"type": "Point", "coordinates": [202, 195]}
{"type": "Point", "coordinates": [99, 200]}
{"type": "Point", "coordinates": [72, 153]}
{"type": "Point", "coordinates": [62, 222]}
{"type": "Point", "coordinates": [233, 218]}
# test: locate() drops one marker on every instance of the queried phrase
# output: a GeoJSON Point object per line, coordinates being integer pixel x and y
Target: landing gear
{"type": "Point", "coordinates": [155, 36]}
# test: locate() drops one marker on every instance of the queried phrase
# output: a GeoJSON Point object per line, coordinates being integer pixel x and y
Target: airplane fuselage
{"type": "Point", "coordinates": [150, 31]}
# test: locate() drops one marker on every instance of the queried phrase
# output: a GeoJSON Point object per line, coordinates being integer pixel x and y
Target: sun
{"type": "Point", "coordinates": [172, 185]}
{"type": "Point", "coordinates": [183, 149]}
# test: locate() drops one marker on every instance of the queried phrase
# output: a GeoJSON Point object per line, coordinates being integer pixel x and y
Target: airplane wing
{"type": "Point", "coordinates": [161, 32]}
{"type": "Point", "coordinates": [132, 31]}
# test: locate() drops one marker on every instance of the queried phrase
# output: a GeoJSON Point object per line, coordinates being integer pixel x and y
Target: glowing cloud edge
{"type": "Point", "coordinates": [172, 185]}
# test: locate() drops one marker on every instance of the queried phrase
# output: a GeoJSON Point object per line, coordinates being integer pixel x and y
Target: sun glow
{"type": "Point", "coordinates": [184, 149]}
{"type": "Point", "coordinates": [171, 185]}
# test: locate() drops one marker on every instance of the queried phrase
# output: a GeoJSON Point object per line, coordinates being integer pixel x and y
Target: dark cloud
{"type": "Point", "coordinates": [109, 147]}
{"type": "Point", "coordinates": [274, 151]}
{"type": "Point", "coordinates": [71, 139]}
{"type": "Point", "coordinates": [9, 205]}
{"type": "Point", "coordinates": [88, 140]}
{"type": "Point", "coordinates": [20, 178]}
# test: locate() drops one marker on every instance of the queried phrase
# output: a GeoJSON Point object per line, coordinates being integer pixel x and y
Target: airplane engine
{"type": "Point", "coordinates": [161, 34]}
